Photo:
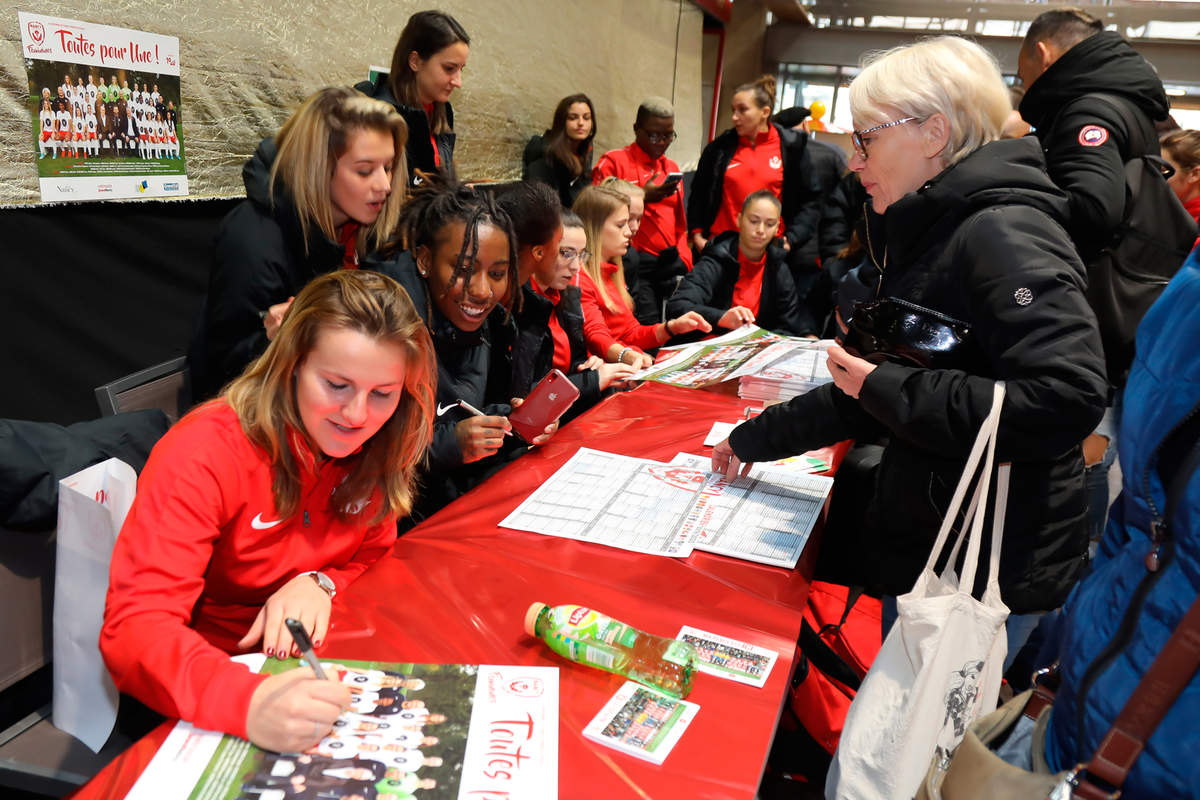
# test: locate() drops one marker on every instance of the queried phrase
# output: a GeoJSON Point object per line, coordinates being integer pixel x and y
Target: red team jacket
{"type": "Point", "coordinates": [201, 551]}
{"type": "Point", "coordinates": [665, 222]}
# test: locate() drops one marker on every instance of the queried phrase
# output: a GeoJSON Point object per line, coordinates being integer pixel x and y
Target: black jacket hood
{"type": "Point", "coordinates": [321, 251]}
{"type": "Point", "coordinates": [1104, 63]}
{"type": "Point", "coordinates": [1004, 172]}
{"type": "Point", "coordinates": [256, 173]}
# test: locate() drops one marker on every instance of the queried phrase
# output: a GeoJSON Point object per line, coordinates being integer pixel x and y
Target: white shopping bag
{"type": "Point", "coordinates": [92, 505]}
{"type": "Point", "coordinates": [941, 663]}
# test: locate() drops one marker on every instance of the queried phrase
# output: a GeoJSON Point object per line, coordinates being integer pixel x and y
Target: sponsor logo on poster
{"type": "Point", "coordinates": [173, 186]}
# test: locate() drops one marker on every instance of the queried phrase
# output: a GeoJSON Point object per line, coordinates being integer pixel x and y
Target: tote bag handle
{"type": "Point", "coordinates": [984, 441]}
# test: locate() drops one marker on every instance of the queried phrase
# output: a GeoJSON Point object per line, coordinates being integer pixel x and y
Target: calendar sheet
{"type": "Point", "coordinates": [765, 516]}
{"type": "Point", "coordinates": [669, 509]}
{"type": "Point", "coordinates": [620, 501]}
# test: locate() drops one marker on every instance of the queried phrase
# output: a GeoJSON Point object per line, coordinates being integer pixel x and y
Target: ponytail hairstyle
{"type": "Point", "coordinates": [762, 90]}
{"type": "Point", "coordinates": [438, 203]}
{"type": "Point", "coordinates": [383, 472]}
{"type": "Point", "coordinates": [425, 33]}
{"type": "Point", "coordinates": [308, 147]}
{"type": "Point", "coordinates": [594, 206]}
{"type": "Point", "coordinates": [560, 147]}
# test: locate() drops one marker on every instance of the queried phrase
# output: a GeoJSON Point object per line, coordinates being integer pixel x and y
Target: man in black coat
{"type": "Point", "coordinates": [1067, 57]}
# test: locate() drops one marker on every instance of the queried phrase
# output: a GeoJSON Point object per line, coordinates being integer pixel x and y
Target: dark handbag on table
{"type": "Point", "coordinates": [896, 330]}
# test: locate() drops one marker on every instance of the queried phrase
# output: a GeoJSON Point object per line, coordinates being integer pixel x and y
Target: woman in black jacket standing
{"type": "Point", "coordinates": [754, 154]}
{"type": "Point", "coordinates": [427, 66]}
{"type": "Point", "coordinates": [325, 192]}
{"type": "Point", "coordinates": [967, 225]}
{"type": "Point", "coordinates": [565, 163]}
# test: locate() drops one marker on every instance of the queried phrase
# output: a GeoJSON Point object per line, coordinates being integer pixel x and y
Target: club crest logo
{"type": "Point", "coordinates": [526, 687]}
{"type": "Point", "coordinates": [1092, 136]}
{"type": "Point", "coordinates": [36, 32]}
{"type": "Point", "coordinates": [776, 162]}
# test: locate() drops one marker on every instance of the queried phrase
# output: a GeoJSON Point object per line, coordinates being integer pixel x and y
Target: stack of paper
{"type": "Point", "coordinates": [797, 368]}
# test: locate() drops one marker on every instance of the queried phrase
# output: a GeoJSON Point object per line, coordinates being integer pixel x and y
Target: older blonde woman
{"type": "Point", "coordinates": [967, 225]}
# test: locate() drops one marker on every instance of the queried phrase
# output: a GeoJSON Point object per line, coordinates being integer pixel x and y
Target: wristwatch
{"type": "Point", "coordinates": [324, 581]}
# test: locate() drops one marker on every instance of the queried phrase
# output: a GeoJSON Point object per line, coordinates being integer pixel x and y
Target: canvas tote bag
{"type": "Point", "coordinates": [940, 665]}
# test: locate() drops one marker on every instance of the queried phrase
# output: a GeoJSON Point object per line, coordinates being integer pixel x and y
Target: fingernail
{"type": "Point", "coordinates": [270, 652]}
{"type": "Point", "coordinates": [317, 643]}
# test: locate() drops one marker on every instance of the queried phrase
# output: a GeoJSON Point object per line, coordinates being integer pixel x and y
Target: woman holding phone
{"type": "Point", "coordinates": [264, 504]}
{"type": "Point", "coordinates": [460, 265]}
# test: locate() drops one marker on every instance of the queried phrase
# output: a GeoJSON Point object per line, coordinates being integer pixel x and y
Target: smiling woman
{"type": "Point", "coordinates": [459, 265]}
{"type": "Point", "coordinates": [263, 504]}
{"type": "Point", "coordinates": [325, 192]}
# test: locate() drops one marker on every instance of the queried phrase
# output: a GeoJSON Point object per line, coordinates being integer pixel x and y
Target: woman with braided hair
{"type": "Point", "coordinates": [459, 263]}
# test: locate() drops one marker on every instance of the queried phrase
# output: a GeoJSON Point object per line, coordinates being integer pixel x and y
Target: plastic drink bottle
{"type": "Point", "coordinates": [583, 635]}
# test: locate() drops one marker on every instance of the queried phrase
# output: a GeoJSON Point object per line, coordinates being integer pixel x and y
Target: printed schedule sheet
{"type": "Point", "coordinates": [670, 509]}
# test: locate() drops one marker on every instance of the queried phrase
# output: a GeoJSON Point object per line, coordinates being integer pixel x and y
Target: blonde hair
{"type": "Point", "coordinates": [945, 75]}
{"type": "Point", "coordinates": [309, 145]}
{"type": "Point", "coordinates": [623, 186]}
{"type": "Point", "coordinates": [594, 205]}
{"type": "Point", "coordinates": [264, 396]}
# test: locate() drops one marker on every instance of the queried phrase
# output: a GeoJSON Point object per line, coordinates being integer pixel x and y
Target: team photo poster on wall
{"type": "Point", "coordinates": [105, 110]}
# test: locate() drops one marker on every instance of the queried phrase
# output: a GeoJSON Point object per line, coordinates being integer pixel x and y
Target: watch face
{"type": "Point", "coordinates": [324, 582]}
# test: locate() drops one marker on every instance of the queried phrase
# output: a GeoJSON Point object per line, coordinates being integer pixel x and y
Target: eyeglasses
{"type": "Point", "coordinates": [567, 255]}
{"type": "Point", "coordinates": [660, 138]}
{"type": "Point", "coordinates": [860, 146]}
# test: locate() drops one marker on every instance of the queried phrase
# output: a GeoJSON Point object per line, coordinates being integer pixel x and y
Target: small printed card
{"type": "Point", "coordinates": [729, 658]}
{"type": "Point", "coordinates": [641, 722]}
{"type": "Point", "coordinates": [720, 432]}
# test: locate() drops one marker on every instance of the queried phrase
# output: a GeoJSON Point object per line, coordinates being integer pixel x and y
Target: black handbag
{"type": "Point", "coordinates": [896, 330]}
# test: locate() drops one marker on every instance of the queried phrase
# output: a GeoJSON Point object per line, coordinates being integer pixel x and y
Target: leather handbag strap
{"type": "Point", "coordinates": [1149, 703]}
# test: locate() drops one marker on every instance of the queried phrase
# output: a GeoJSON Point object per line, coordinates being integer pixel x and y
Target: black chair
{"type": "Point", "coordinates": [166, 386]}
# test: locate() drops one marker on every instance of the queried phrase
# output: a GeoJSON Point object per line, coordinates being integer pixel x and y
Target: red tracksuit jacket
{"type": "Point", "coordinates": [201, 551]}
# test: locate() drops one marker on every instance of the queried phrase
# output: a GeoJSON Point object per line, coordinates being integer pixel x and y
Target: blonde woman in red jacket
{"type": "Point", "coordinates": [604, 295]}
{"type": "Point", "coordinates": [265, 504]}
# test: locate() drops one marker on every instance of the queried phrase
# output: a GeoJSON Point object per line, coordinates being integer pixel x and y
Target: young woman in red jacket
{"type": "Point", "coordinates": [265, 504]}
{"type": "Point", "coordinates": [605, 297]}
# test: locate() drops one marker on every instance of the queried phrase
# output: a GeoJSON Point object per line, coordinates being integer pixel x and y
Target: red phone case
{"type": "Point", "coordinates": [548, 401]}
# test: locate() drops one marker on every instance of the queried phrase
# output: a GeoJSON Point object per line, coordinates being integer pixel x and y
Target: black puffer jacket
{"type": "Point", "coordinates": [462, 360]}
{"type": "Point", "coordinates": [530, 354]}
{"type": "Point", "coordinates": [801, 195]}
{"type": "Point", "coordinates": [1091, 174]}
{"type": "Point", "coordinates": [980, 243]}
{"type": "Point", "coordinates": [557, 176]}
{"type": "Point", "coordinates": [260, 259]}
{"type": "Point", "coordinates": [708, 288]}
{"type": "Point", "coordinates": [419, 148]}
{"type": "Point", "coordinates": [829, 165]}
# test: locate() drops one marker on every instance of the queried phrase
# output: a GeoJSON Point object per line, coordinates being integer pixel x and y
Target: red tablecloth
{"type": "Point", "coordinates": [456, 588]}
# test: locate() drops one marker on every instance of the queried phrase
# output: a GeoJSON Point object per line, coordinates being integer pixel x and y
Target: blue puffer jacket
{"type": "Point", "coordinates": [1102, 660]}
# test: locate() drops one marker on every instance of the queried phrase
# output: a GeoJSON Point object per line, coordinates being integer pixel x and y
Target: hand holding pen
{"type": "Point", "coordinates": [480, 435]}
